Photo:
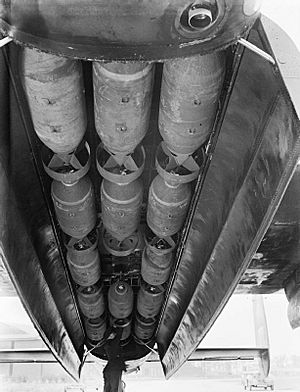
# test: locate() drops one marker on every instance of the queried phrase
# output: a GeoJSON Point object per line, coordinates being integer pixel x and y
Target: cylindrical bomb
{"type": "Point", "coordinates": [120, 300]}
{"type": "Point", "coordinates": [121, 207]}
{"type": "Point", "coordinates": [74, 205]}
{"type": "Point", "coordinates": [122, 102]}
{"type": "Point", "coordinates": [149, 300]}
{"type": "Point", "coordinates": [190, 92]}
{"type": "Point", "coordinates": [156, 268]}
{"type": "Point", "coordinates": [157, 259]}
{"type": "Point", "coordinates": [91, 301]}
{"type": "Point", "coordinates": [95, 328]}
{"type": "Point", "coordinates": [167, 206]}
{"type": "Point", "coordinates": [144, 328]}
{"type": "Point", "coordinates": [55, 94]}
{"type": "Point", "coordinates": [84, 266]}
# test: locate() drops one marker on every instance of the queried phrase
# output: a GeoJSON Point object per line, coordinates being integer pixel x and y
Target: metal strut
{"type": "Point", "coordinates": [4, 41]}
{"type": "Point", "coordinates": [256, 50]}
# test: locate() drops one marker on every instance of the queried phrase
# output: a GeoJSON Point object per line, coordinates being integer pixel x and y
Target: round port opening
{"type": "Point", "coordinates": [199, 17]}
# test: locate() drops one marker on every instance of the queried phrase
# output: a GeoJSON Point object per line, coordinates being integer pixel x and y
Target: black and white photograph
{"type": "Point", "coordinates": [149, 195]}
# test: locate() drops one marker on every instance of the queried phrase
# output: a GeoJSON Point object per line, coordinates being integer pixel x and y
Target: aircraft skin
{"type": "Point", "coordinates": [241, 229]}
